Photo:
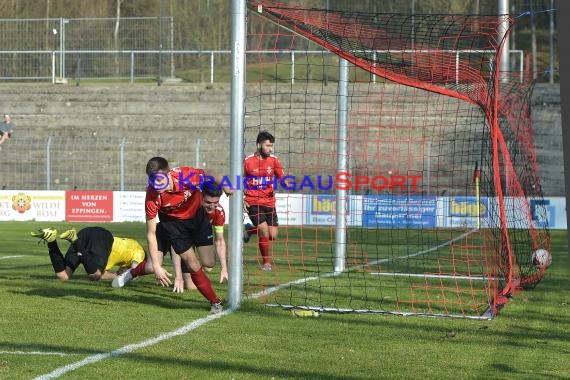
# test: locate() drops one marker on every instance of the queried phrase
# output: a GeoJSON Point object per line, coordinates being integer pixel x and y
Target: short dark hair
{"type": "Point", "coordinates": [211, 190]}
{"type": "Point", "coordinates": [263, 136]}
{"type": "Point", "coordinates": [156, 164]}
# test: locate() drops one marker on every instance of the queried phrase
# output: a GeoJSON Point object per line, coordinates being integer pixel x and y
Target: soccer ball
{"type": "Point", "coordinates": [541, 258]}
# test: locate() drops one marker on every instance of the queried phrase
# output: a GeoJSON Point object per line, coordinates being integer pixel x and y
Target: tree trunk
{"type": "Point", "coordinates": [533, 40]}
{"type": "Point", "coordinates": [116, 36]}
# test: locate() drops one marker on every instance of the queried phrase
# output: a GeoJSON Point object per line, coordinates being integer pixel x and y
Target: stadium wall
{"type": "Point", "coordinates": [85, 127]}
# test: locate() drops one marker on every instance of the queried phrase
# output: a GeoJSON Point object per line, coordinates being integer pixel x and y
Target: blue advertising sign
{"type": "Point", "coordinates": [463, 212]}
{"type": "Point", "coordinates": [322, 210]}
{"type": "Point", "coordinates": [543, 214]}
{"type": "Point", "coordinates": [399, 211]}
{"type": "Point", "coordinates": [466, 207]}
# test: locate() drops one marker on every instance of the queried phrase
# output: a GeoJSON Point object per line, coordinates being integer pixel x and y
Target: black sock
{"type": "Point", "coordinates": [56, 257]}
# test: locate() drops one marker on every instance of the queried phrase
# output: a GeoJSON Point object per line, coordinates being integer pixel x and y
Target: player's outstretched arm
{"type": "Point", "coordinates": [161, 275]}
{"type": "Point", "coordinates": [178, 276]}
{"type": "Point", "coordinates": [218, 179]}
{"type": "Point", "coordinates": [220, 244]}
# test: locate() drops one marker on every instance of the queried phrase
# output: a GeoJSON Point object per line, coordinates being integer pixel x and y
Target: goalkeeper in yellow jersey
{"type": "Point", "coordinates": [93, 247]}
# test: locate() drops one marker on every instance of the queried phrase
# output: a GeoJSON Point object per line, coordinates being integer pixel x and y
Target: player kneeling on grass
{"type": "Point", "coordinates": [174, 196]}
{"type": "Point", "coordinates": [217, 217]}
{"type": "Point", "coordinates": [95, 248]}
{"type": "Point", "coordinates": [183, 279]}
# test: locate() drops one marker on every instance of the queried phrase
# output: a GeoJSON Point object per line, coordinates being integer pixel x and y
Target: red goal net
{"type": "Point", "coordinates": [442, 208]}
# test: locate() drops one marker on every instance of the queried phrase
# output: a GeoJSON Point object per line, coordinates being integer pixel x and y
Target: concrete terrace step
{"type": "Point", "coordinates": [88, 123]}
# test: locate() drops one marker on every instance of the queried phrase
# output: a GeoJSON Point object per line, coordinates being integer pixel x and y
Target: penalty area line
{"type": "Point", "coordinates": [276, 288]}
{"type": "Point", "coordinates": [199, 322]}
{"type": "Point", "coordinates": [131, 347]}
{"type": "Point", "coordinates": [152, 341]}
{"type": "Point", "coordinates": [35, 353]}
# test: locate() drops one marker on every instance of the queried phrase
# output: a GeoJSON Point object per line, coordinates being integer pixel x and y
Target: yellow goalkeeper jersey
{"type": "Point", "coordinates": [124, 253]}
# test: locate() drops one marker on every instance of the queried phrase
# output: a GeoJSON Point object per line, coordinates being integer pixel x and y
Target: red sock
{"type": "Point", "coordinates": [252, 231]}
{"type": "Point", "coordinates": [263, 245]}
{"type": "Point", "coordinates": [204, 285]}
{"type": "Point", "coordinates": [139, 270]}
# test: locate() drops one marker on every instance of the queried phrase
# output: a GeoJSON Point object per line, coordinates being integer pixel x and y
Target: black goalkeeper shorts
{"type": "Point", "coordinates": [92, 249]}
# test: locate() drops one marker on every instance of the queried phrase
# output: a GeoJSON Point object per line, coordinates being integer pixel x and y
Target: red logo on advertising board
{"type": "Point", "coordinates": [89, 206]}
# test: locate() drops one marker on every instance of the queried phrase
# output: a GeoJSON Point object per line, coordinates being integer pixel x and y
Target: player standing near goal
{"type": "Point", "coordinates": [94, 247]}
{"type": "Point", "coordinates": [174, 195]}
{"type": "Point", "coordinates": [260, 169]}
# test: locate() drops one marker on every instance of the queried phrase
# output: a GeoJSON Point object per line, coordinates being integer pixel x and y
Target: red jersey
{"type": "Point", "coordinates": [183, 201]}
{"type": "Point", "coordinates": [259, 173]}
{"type": "Point", "coordinates": [218, 217]}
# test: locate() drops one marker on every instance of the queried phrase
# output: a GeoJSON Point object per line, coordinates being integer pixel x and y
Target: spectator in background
{"type": "Point", "coordinates": [6, 129]}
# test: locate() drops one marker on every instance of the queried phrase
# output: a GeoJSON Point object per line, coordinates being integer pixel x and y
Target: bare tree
{"type": "Point", "coordinates": [117, 22]}
{"type": "Point", "coordinates": [533, 40]}
{"type": "Point", "coordinates": [116, 33]}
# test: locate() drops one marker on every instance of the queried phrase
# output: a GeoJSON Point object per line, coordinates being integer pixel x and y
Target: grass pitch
{"type": "Point", "coordinates": [85, 330]}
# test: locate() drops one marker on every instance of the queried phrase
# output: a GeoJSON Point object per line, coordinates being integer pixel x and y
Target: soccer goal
{"type": "Point", "coordinates": [416, 184]}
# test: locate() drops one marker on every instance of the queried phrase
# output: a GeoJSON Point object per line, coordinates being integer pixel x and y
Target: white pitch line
{"type": "Point", "coordinates": [429, 249]}
{"type": "Point", "coordinates": [273, 289]}
{"type": "Point", "coordinates": [197, 323]}
{"type": "Point", "coordinates": [131, 347]}
{"type": "Point", "coordinates": [34, 353]}
{"type": "Point", "coordinates": [149, 342]}
{"type": "Point", "coordinates": [443, 276]}
{"type": "Point", "coordinates": [10, 257]}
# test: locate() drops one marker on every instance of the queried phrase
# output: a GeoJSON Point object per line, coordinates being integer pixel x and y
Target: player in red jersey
{"type": "Point", "coordinates": [216, 216]}
{"type": "Point", "coordinates": [260, 171]}
{"type": "Point", "coordinates": [174, 196]}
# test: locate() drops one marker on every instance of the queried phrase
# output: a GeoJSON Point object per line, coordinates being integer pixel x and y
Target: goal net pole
{"type": "Point", "coordinates": [235, 281]}
{"type": "Point", "coordinates": [503, 9]}
{"type": "Point", "coordinates": [342, 166]}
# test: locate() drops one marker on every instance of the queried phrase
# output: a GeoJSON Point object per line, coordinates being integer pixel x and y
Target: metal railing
{"type": "Point", "coordinates": [132, 65]}
{"type": "Point", "coordinates": [99, 163]}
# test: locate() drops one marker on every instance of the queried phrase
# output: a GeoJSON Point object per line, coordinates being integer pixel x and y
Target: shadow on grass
{"type": "Point", "coordinates": [100, 296]}
{"type": "Point", "coordinates": [239, 368]}
{"type": "Point", "coordinates": [12, 269]}
{"type": "Point", "coordinates": [525, 329]}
